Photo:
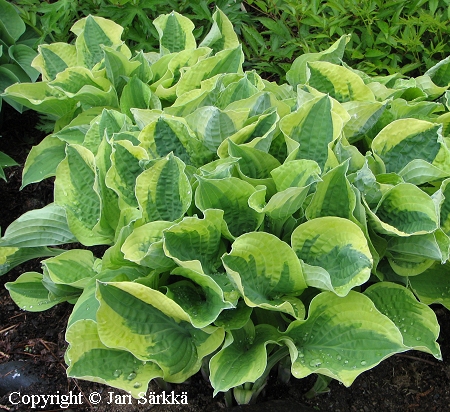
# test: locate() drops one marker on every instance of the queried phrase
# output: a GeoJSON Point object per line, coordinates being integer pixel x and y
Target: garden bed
{"type": "Point", "coordinates": [412, 381]}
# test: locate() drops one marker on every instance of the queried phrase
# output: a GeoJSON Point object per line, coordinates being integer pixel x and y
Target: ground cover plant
{"type": "Point", "coordinates": [247, 223]}
{"type": "Point", "coordinates": [386, 37]}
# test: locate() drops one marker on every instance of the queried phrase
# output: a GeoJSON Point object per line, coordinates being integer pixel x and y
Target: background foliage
{"type": "Point", "coordinates": [386, 37]}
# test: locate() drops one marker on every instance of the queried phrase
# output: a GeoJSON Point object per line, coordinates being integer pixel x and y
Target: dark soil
{"type": "Point", "coordinates": [413, 381]}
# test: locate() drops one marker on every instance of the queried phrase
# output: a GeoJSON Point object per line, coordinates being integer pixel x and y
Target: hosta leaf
{"type": "Point", "coordinates": [363, 117]}
{"type": "Point", "coordinates": [282, 204]}
{"type": "Point", "coordinates": [314, 125]}
{"type": "Point", "coordinates": [163, 191]}
{"type": "Point", "coordinates": [267, 272]}
{"type": "Point", "coordinates": [39, 227]}
{"type": "Point", "coordinates": [339, 247]}
{"type": "Point", "coordinates": [175, 33]}
{"type": "Point", "coordinates": [405, 140]}
{"type": "Point", "coordinates": [213, 125]}
{"type": "Point", "coordinates": [92, 33]}
{"type": "Point", "coordinates": [342, 337]}
{"type": "Point", "coordinates": [334, 195]}
{"type": "Point", "coordinates": [74, 267]}
{"type": "Point", "coordinates": [118, 67]}
{"type": "Point", "coordinates": [80, 84]}
{"type": "Point", "coordinates": [41, 97]}
{"type": "Point", "coordinates": [230, 195]}
{"type": "Point", "coordinates": [29, 293]}
{"type": "Point", "coordinates": [226, 61]}
{"type": "Point", "coordinates": [419, 171]}
{"type": "Point", "coordinates": [135, 94]}
{"type": "Point", "coordinates": [404, 210]}
{"type": "Point", "coordinates": [258, 133]}
{"type": "Point", "coordinates": [232, 319]}
{"type": "Point", "coordinates": [410, 256]}
{"type": "Point", "coordinates": [10, 257]}
{"type": "Point", "coordinates": [242, 89]}
{"type": "Point", "coordinates": [338, 81]}
{"type": "Point", "coordinates": [296, 173]}
{"type": "Point", "coordinates": [23, 55]}
{"type": "Point", "coordinates": [433, 285]}
{"type": "Point", "coordinates": [253, 163]}
{"type": "Point", "coordinates": [298, 71]}
{"type": "Point", "coordinates": [221, 35]}
{"type": "Point", "coordinates": [12, 25]}
{"type": "Point", "coordinates": [145, 246]}
{"type": "Point", "coordinates": [442, 198]}
{"type": "Point", "coordinates": [172, 134]}
{"type": "Point", "coordinates": [124, 170]}
{"type": "Point", "coordinates": [440, 73]}
{"type": "Point", "coordinates": [243, 357]}
{"type": "Point", "coordinates": [54, 58]}
{"type": "Point", "coordinates": [75, 191]}
{"type": "Point", "coordinates": [43, 160]}
{"type": "Point", "coordinates": [416, 321]}
{"type": "Point", "coordinates": [88, 358]}
{"type": "Point", "coordinates": [195, 243]}
{"type": "Point", "coordinates": [153, 328]}
{"type": "Point", "coordinates": [202, 299]}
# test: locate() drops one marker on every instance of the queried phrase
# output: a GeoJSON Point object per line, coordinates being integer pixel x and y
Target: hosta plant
{"type": "Point", "coordinates": [246, 223]}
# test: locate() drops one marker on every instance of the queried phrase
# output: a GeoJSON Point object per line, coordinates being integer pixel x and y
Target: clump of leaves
{"type": "Point", "coordinates": [247, 222]}
{"type": "Point", "coordinates": [17, 50]}
{"type": "Point", "coordinates": [386, 38]}
{"type": "Point", "coordinates": [54, 19]}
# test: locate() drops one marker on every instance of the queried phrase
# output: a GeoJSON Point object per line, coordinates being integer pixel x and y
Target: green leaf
{"type": "Point", "coordinates": [175, 33]}
{"type": "Point", "coordinates": [296, 173]}
{"type": "Point", "coordinates": [163, 191]}
{"type": "Point", "coordinates": [169, 134]}
{"type": "Point", "coordinates": [226, 61]}
{"type": "Point", "coordinates": [125, 169]}
{"type": "Point", "coordinates": [29, 293]}
{"type": "Point", "coordinates": [339, 82]}
{"type": "Point", "coordinates": [202, 298]}
{"type": "Point", "coordinates": [10, 257]}
{"type": "Point", "coordinates": [88, 358]}
{"type": "Point", "coordinates": [43, 160]}
{"type": "Point", "coordinates": [338, 248]}
{"type": "Point", "coordinates": [442, 199]}
{"type": "Point", "coordinates": [342, 337]}
{"type": "Point", "coordinates": [363, 117]}
{"type": "Point", "coordinates": [433, 285]}
{"type": "Point", "coordinates": [404, 210]}
{"type": "Point", "coordinates": [76, 191]}
{"type": "Point", "coordinates": [334, 195]}
{"type": "Point", "coordinates": [74, 267]}
{"type": "Point", "coordinates": [92, 33]}
{"type": "Point", "coordinates": [23, 55]}
{"type": "Point", "coordinates": [195, 243]}
{"type": "Point", "coordinates": [153, 328]}
{"type": "Point", "coordinates": [144, 246]}
{"type": "Point", "coordinates": [267, 273]}
{"type": "Point", "coordinates": [40, 227]}
{"type": "Point", "coordinates": [135, 94]}
{"type": "Point", "coordinates": [54, 58]}
{"type": "Point", "coordinates": [243, 357]}
{"type": "Point", "coordinates": [230, 195]}
{"type": "Point", "coordinates": [41, 97]}
{"type": "Point", "coordinates": [298, 71]}
{"type": "Point", "coordinates": [313, 126]}
{"type": "Point", "coordinates": [11, 25]}
{"type": "Point", "coordinates": [416, 321]}
{"type": "Point", "coordinates": [221, 35]}
{"type": "Point", "coordinates": [405, 140]}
